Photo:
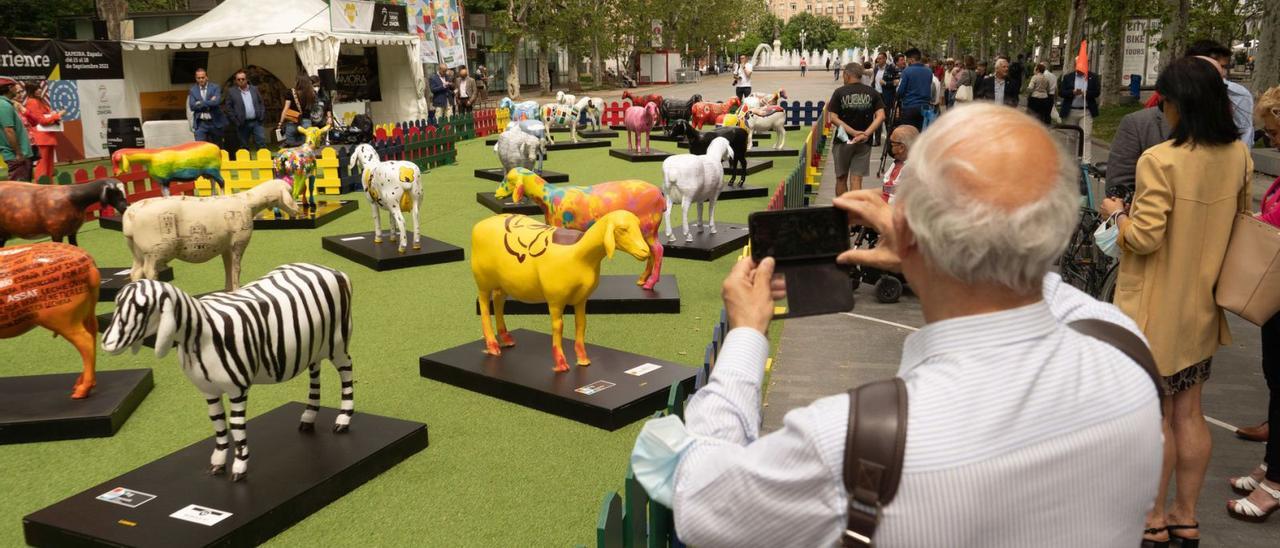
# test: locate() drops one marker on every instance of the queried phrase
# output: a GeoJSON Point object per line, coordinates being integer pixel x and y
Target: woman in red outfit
{"type": "Point", "coordinates": [41, 113]}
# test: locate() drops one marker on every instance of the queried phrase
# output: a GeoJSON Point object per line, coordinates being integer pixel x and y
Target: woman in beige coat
{"type": "Point", "coordinates": [1174, 237]}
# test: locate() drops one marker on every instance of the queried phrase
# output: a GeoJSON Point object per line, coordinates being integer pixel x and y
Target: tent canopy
{"type": "Point", "coordinates": [236, 23]}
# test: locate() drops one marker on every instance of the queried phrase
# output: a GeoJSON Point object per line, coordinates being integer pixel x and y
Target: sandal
{"type": "Point", "coordinates": [1152, 543]}
{"type": "Point", "coordinates": [1184, 541]}
{"type": "Point", "coordinates": [1246, 484]}
{"type": "Point", "coordinates": [1245, 510]}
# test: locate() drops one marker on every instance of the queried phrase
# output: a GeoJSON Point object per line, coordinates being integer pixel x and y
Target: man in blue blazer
{"type": "Point", "coordinates": [247, 112]}
{"type": "Point", "coordinates": [205, 102]}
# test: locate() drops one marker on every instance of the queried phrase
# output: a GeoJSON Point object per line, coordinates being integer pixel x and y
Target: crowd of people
{"type": "Point", "coordinates": [28, 122]}
{"type": "Point", "coordinates": [1058, 433]}
{"type": "Point", "coordinates": [456, 91]}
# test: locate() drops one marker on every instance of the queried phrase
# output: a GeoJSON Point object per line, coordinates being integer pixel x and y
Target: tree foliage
{"type": "Point", "coordinates": [821, 30]}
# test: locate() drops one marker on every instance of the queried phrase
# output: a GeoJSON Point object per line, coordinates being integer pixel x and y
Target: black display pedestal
{"type": "Point", "coordinates": [758, 152]}
{"type": "Point", "coordinates": [40, 408]}
{"type": "Point", "coordinates": [496, 174]}
{"type": "Point", "coordinates": [566, 144]}
{"type": "Point", "coordinates": [791, 127]}
{"type": "Point", "coordinates": [292, 475]}
{"type": "Point", "coordinates": [114, 279]}
{"type": "Point", "coordinates": [738, 193]}
{"type": "Point", "coordinates": [590, 133]}
{"type": "Point", "coordinates": [325, 212]}
{"type": "Point", "coordinates": [616, 294]}
{"type": "Point", "coordinates": [706, 246]}
{"type": "Point", "coordinates": [753, 167]}
{"type": "Point", "coordinates": [505, 205]}
{"type": "Point", "coordinates": [359, 247]}
{"type": "Point", "coordinates": [603, 394]}
{"type": "Point", "coordinates": [653, 155]}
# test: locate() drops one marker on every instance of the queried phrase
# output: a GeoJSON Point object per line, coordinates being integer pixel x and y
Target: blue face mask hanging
{"type": "Point", "coordinates": [656, 454]}
{"type": "Point", "coordinates": [1107, 237]}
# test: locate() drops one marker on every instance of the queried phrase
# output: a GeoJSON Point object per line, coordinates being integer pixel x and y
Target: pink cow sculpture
{"type": "Point", "coordinates": [579, 207]}
{"type": "Point", "coordinates": [639, 121]}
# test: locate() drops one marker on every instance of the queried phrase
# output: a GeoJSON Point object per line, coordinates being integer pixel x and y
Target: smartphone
{"type": "Point", "coordinates": [804, 244]}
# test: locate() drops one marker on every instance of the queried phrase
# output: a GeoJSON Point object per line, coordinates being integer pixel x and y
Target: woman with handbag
{"type": "Point", "coordinates": [968, 79]}
{"type": "Point", "coordinates": [1188, 192]}
{"type": "Point", "coordinates": [1263, 484]}
{"type": "Point", "coordinates": [43, 124]}
{"type": "Point", "coordinates": [300, 101]}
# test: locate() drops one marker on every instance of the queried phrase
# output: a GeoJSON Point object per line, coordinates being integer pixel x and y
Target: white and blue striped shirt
{"type": "Point", "coordinates": [1021, 432]}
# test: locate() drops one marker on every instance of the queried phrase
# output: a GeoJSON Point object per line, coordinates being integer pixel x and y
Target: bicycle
{"type": "Point", "coordinates": [1083, 264]}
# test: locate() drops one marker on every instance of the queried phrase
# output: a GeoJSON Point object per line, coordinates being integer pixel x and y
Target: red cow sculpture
{"type": "Point", "coordinates": [642, 100]}
{"type": "Point", "coordinates": [54, 286]}
{"type": "Point", "coordinates": [702, 113]}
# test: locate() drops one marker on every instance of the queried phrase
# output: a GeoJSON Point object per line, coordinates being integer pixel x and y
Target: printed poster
{"type": "Point", "coordinates": [97, 105]}
{"type": "Point", "coordinates": [446, 30]}
{"type": "Point", "coordinates": [350, 15]}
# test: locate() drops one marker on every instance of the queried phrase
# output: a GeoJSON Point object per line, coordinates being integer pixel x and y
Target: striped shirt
{"type": "Point", "coordinates": [1021, 432]}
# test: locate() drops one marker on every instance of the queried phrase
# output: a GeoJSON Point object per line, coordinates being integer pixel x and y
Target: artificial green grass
{"type": "Point", "coordinates": [495, 474]}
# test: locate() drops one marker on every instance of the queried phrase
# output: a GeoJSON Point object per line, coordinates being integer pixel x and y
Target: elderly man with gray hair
{"type": "Point", "coordinates": [1021, 430]}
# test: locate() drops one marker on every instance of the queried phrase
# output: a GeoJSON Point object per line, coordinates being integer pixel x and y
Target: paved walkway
{"type": "Point", "coordinates": [824, 355]}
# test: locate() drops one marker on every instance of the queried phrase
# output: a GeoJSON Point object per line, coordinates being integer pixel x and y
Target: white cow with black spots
{"type": "Point", "coordinates": [393, 186]}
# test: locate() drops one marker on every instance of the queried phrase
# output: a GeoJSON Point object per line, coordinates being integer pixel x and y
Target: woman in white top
{"type": "Point", "coordinates": [1040, 97]}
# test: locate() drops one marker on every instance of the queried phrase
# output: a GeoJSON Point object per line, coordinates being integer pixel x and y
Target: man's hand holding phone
{"type": "Point", "coordinates": [749, 293]}
{"type": "Point", "coordinates": [868, 208]}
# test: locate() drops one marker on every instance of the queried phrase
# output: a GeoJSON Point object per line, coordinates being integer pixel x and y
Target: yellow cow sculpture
{"type": "Point", "coordinates": [514, 255]}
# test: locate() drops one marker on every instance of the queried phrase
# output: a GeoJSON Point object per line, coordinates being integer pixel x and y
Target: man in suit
{"type": "Point", "coordinates": [466, 90]}
{"type": "Point", "coordinates": [1079, 92]}
{"type": "Point", "coordinates": [247, 112]}
{"type": "Point", "coordinates": [205, 102]}
{"type": "Point", "coordinates": [441, 92]}
{"type": "Point", "coordinates": [998, 87]}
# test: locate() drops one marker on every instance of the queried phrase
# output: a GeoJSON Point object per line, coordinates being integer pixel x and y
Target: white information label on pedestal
{"type": "Point", "coordinates": [642, 369]}
{"type": "Point", "coordinates": [201, 515]}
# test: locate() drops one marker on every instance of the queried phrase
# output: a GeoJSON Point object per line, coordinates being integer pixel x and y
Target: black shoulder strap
{"type": "Point", "coordinates": [1124, 341]}
{"type": "Point", "coordinates": [877, 434]}
{"type": "Point", "coordinates": [873, 450]}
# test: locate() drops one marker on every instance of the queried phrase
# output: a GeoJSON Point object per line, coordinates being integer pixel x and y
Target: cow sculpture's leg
{"type": "Point", "coordinates": [684, 224]}
{"type": "Point", "coordinates": [164, 188]}
{"type": "Point", "coordinates": [654, 270]}
{"type": "Point", "coordinates": [398, 218]}
{"type": "Point", "coordinates": [701, 225]}
{"type": "Point", "coordinates": [485, 299]}
{"type": "Point", "coordinates": [505, 339]}
{"type": "Point", "coordinates": [376, 206]}
{"type": "Point", "coordinates": [666, 217]}
{"type": "Point", "coordinates": [71, 239]}
{"type": "Point", "coordinates": [82, 335]}
{"type": "Point", "coordinates": [240, 467]}
{"type": "Point", "coordinates": [308, 421]}
{"type": "Point", "coordinates": [231, 264]}
{"type": "Point", "coordinates": [711, 213]}
{"type": "Point", "coordinates": [580, 332]}
{"type": "Point", "coordinates": [342, 361]}
{"type": "Point", "coordinates": [557, 336]}
{"type": "Point", "coordinates": [217, 415]}
{"type": "Point", "coordinates": [417, 222]}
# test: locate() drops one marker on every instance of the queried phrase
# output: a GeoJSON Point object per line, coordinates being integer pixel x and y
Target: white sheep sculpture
{"type": "Point", "coordinates": [516, 148]}
{"type": "Point", "coordinates": [693, 178]}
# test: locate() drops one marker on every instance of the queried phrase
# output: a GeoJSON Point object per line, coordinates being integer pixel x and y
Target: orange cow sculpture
{"type": "Point", "coordinates": [54, 286]}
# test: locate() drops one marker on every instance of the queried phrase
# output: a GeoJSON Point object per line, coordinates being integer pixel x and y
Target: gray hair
{"type": "Point", "coordinates": [853, 70]}
{"type": "Point", "coordinates": [973, 240]}
{"type": "Point", "coordinates": [1002, 61]}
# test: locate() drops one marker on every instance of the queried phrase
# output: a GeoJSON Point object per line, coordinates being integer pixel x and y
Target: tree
{"type": "Point", "coordinates": [1266, 69]}
{"type": "Point", "coordinates": [821, 30]}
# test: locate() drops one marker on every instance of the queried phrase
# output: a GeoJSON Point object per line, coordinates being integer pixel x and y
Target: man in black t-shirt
{"type": "Point", "coordinates": [856, 111]}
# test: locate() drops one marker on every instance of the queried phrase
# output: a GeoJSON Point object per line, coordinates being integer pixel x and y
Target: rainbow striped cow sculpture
{"type": "Point", "coordinates": [185, 163]}
{"type": "Point", "coordinates": [297, 165]}
{"type": "Point", "coordinates": [579, 207]}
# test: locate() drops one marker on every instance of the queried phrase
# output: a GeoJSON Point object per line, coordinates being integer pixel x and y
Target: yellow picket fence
{"type": "Point", "coordinates": [249, 169]}
{"type": "Point", "coordinates": [503, 117]}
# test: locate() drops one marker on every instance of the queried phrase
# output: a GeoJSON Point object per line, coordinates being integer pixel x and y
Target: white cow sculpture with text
{"type": "Point", "coordinates": [195, 230]}
{"type": "Point", "coordinates": [394, 186]}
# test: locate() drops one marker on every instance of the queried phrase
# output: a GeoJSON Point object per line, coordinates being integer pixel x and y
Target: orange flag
{"type": "Point", "coordinates": [1082, 60]}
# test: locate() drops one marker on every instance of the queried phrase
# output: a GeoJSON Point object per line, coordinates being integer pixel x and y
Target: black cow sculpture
{"type": "Point", "coordinates": [700, 140]}
{"type": "Point", "coordinates": [672, 110]}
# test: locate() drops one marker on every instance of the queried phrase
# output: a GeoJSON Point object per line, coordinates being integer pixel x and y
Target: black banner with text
{"type": "Point", "coordinates": [30, 59]}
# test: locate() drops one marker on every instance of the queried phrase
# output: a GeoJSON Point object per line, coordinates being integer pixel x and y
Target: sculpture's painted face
{"type": "Point", "coordinates": [113, 195]}
{"type": "Point", "coordinates": [136, 317]}
{"type": "Point", "coordinates": [627, 235]}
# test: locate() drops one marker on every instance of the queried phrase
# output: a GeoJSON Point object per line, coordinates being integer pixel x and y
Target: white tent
{"type": "Point", "coordinates": [268, 33]}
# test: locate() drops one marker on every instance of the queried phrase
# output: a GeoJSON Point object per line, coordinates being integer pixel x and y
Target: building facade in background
{"type": "Point", "coordinates": [851, 14]}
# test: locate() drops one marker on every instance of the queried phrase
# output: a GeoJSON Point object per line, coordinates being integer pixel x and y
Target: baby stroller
{"type": "Point", "coordinates": [889, 285]}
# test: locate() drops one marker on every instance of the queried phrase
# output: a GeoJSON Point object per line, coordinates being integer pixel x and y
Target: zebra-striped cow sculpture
{"type": "Point", "coordinates": [266, 332]}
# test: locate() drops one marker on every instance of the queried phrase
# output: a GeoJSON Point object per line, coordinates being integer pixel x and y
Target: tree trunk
{"type": "Point", "coordinates": [113, 12]}
{"type": "Point", "coordinates": [1175, 30]}
{"type": "Point", "coordinates": [1113, 73]}
{"type": "Point", "coordinates": [544, 74]}
{"type": "Point", "coordinates": [571, 71]}
{"type": "Point", "coordinates": [1266, 64]}
{"type": "Point", "coordinates": [1075, 32]}
{"type": "Point", "coordinates": [1046, 34]}
{"type": "Point", "coordinates": [513, 70]}
{"type": "Point", "coordinates": [597, 64]}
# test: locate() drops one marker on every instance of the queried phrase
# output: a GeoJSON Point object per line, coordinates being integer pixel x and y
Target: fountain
{"type": "Point", "coordinates": [773, 57]}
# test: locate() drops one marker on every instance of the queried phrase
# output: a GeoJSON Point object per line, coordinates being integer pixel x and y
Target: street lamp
{"type": "Point", "coordinates": [803, 34]}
